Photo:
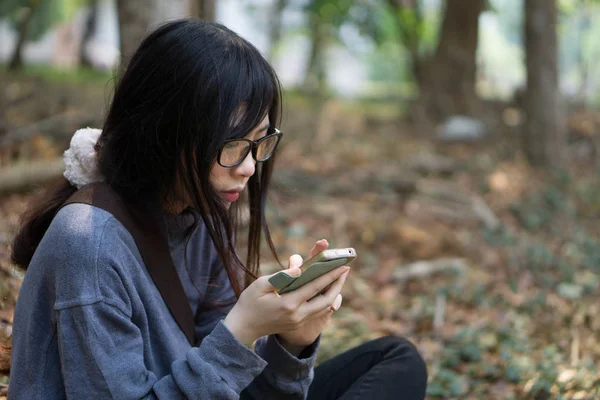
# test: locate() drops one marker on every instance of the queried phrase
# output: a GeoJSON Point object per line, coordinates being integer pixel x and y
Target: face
{"type": "Point", "coordinates": [230, 182]}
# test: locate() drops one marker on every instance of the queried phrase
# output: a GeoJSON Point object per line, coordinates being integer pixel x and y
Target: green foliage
{"type": "Point", "coordinates": [364, 15]}
{"type": "Point", "coordinates": [9, 7]}
{"type": "Point", "coordinates": [587, 194]}
{"type": "Point", "coordinates": [62, 75]}
{"type": "Point", "coordinates": [474, 347]}
{"type": "Point", "coordinates": [562, 256]}
{"type": "Point", "coordinates": [501, 237]}
{"type": "Point", "coordinates": [513, 373]}
{"type": "Point", "coordinates": [539, 209]}
{"type": "Point", "coordinates": [504, 355]}
{"type": "Point", "coordinates": [45, 13]}
{"type": "Point", "coordinates": [579, 44]}
{"type": "Point", "coordinates": [402, 35]}
{"type": "Point", "coordinates": [416, 27]}
{"type": "Point", "coordinates": [347, 330]}
{"type": "Point", "coordinates": [448, 383]}
{"type": "Point", "coordinates": [388, 63]}
{"type": "Point", "coordinates": [567, 7]}
{"type": "Point", "coordinates": [329, 12]}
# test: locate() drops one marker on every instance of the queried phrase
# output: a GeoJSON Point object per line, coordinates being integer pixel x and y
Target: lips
{"type": "Point", "coordinates": [230, 196]}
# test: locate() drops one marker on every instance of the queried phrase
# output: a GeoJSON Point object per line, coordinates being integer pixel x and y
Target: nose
{"type": "Point", "coordinates": [247, 168]}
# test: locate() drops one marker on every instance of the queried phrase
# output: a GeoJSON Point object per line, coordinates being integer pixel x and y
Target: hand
{"type": "Point", "coordinates": [261, 311]}
{"type": "Point", "coordinates": [308, 333]}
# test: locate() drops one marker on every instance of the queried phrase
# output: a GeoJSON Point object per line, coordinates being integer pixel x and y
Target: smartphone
{"type": "Point", "coordinates": [314, 267]}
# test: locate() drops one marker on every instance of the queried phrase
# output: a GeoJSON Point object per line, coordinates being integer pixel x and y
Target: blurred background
{"type": "Point", "coordinates": [453, 143]}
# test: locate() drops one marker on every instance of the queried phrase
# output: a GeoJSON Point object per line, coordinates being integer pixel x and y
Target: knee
{"type": "Point", "coordinates": [406, 353]}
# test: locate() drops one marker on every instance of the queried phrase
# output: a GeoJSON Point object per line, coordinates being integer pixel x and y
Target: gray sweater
{"type": "Point", "coordinates": [90, 323]}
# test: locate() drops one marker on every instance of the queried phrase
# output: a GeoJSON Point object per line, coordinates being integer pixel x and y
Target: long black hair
{"type": "Point", "coordinates": [190, 86]}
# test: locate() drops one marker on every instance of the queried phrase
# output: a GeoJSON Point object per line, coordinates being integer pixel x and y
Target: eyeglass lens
{"type": "Point", "coordinates": [236, 150]}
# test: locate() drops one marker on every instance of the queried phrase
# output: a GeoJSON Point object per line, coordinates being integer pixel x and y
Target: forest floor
{"type": "Point", "coordinates": [490, 267]}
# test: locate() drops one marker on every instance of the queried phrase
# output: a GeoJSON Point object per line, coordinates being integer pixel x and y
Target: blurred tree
{"type": "Point", "coordinates": [544, 136]}
{"type": "Point", "coordinates": [33, 18]}
{"type": "Point", "coordinates": [321, 30]}
{"type": "Point", "coordinates": [204, 9]}
{"type": "Point", "coordinates": [88, 32]}
{"type": "Point", "coordinates": [325, 21]}
{"type": "Point", "coordinates": [578, 46]}
{"type": "Point", "coordinates": [450, 83]}
{"type": "Point", "coordinates": [138, 17]}
{"type": "Point", "coordinates": [322, 24]}
{"type": "Point", "coordinates": [24, 21]}
{"type": "Point", "coordinates": [446, 78]}
{"type": "Point", "coordinates": [276, 27]}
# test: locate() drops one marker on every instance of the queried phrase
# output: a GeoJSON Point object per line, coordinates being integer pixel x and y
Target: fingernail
{"type": "Point", "coordinates": [337, 303]}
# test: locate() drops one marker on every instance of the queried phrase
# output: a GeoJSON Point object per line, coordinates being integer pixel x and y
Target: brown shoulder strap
{"type": "Point", "coordinates": [151, 244]}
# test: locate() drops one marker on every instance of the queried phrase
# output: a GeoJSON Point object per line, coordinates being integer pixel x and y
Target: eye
{"type": "Point", "coordinates": [232, 145]}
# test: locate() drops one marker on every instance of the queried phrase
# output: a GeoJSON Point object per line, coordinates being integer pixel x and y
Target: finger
{"type": "Point", "coordinates": [331, 298]}
{"type": "Point", "coordinates": [319, 247]}
{"type": "Point", "coordinates": [326, 299]}
{"type": "Point", "coordinates": [295, 261]}
{"type": "Point", "coordinates": [264, 285]}
{"type": "Point", "coordinates": [337, 303]}
{"type": "Point", "coordinates": [321, 314]}
{"type": "Point", "coordinates": [314, 287]}
{"type": "Point", "coordinates": [328, 310]}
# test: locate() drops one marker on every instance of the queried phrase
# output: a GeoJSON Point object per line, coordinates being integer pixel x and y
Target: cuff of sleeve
{"type": "Point", "coordinates": [240, 365]}
{"type": "Point", "coordinates": [286, 365]}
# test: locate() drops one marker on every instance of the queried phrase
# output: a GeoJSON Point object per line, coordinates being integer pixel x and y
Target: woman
{"type": "Point", "coordinates": [190, 129]}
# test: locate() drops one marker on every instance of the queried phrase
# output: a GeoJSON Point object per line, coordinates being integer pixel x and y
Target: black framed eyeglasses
{"type": "Point", "coordinates": [235, 151]}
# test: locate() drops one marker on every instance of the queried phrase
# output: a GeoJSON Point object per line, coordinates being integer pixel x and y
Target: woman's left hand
{"type": "Point", "coordinates": [304, 336]}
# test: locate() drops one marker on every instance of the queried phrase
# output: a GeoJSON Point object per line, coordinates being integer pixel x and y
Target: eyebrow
{"type": "Point", "coordinates": [260, 130]}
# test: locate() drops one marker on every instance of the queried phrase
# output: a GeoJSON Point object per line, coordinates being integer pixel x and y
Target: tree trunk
{"type": "Point", "coordinates": [88, 33]}
{"type": "Point", "coordinates": [138, 17]}
{"type": "Point", "coordinates": [544, 136]}
{"type": "Point", "coordinates": [448, 86]}
{"type": "Point", "coordinates": [206, 9]}
{"type": "Point", "coordinates": [276, 28]}
{"type": "Point", "coordinates": [16, 61]}
{"type": "Point", "coordinates": [583, 30]}
{"type": "Point", "coordinates": [315, 80]}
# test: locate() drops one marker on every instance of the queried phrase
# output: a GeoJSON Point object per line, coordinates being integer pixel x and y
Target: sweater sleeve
{"type": "Point", "coordinates": [285, 376]}
{"type": "Point", "coordinates": [101, 354]}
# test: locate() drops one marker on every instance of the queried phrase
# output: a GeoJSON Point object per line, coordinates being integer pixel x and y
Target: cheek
{"type": "Point", "coordinates": [218, 174]}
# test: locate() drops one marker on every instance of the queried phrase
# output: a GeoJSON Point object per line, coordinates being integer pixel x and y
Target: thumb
{"type": "Point", "coordinates": [264, 285]}
{"type": "Point", "coordinates": [294, 266]}
{"type": "Point", "coordinates": [295, 262]}
{"type": "Point", "coordinates": [293, 271]}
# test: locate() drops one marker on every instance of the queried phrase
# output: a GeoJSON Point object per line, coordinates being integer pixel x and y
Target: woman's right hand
{"type": "Point", "coordinates": [260, 311]}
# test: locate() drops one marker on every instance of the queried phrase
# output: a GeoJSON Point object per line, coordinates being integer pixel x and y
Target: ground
{"type": "Point", "coordinates": [490, 267]}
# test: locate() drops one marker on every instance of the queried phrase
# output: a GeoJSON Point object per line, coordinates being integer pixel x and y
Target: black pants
{"type": "Point", "coordinates": [382, 369]}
